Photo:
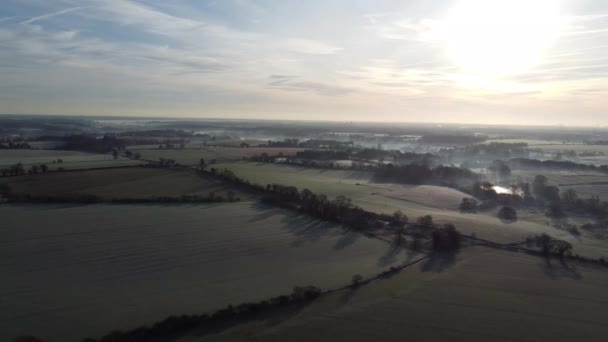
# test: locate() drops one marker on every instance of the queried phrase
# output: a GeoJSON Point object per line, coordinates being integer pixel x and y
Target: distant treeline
{"type": "Point", "coordinates": [485, 152]}
{"type": "Point", "coordinates": [452, 139]}
{"type": "Point", "coordinates": [523, 163]}
{"type": "Point", "coordinates": [323, 154]}
{"type": "Point", "coordinates": [92, 199]}
{"type": "Point", "coordinates": [166, 133]}
{"type": "Point", "coordinates": [90, 143]}
{"type": "Point", "coordinates": [364, 156]}
{"type": "Point", "coordinates": [14, 145]}
{"type": "Point", "coordinates": [311, 143]}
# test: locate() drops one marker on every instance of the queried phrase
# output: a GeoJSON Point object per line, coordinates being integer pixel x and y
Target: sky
{"type": "Point", "coordinates": [470, 61]}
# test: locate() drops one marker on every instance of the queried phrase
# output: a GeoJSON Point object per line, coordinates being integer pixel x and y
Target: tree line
{"type": "Point", "coordinates": [19, 170]}
{"type": "Point", "coordinates": [341, 210]}
{"type": "Point", "coordinates": [7, 193]}
{"type": "Point", "coordinates": [173, 326]}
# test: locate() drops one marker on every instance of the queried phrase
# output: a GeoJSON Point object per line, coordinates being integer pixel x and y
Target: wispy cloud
{"type": "Point", "coordinates": [293, 83]}
{"type": "Point", "coordinates": [53, 14]}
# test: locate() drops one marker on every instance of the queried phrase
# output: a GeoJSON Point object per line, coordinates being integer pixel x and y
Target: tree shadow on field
{"type": "Point", "coordinates": [348, 294]}
{"type": "Point", "coordinates": [440, 261]}
{"type": "Point", "coordinates": [560, 269]}
{"type": "Point", "coordinates": [347, 239]}
{"type": "Point", "coordinates": [264, 211]}
{"type": "Point", "coordinates": [307, 229]}
{"type": "Point", "coordinates": [390, 257]}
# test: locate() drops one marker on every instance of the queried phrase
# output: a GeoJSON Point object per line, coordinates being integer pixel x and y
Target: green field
{"type": "Point", "coordinates": [192, 156]}
{"type": "Point", "coordinates": [483, 295]}
{"type": "Point", "coordinates": [72, 160]}
{"type": "Point", "coordinates": [120, 183]}
{"type": "Point", "coordinates": [74, 271]}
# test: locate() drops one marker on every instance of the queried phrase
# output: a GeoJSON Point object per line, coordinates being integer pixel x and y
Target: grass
{"type": "Point", "coordinates": [120, 183]}
{"type": "Point", "coordinates": [481, 295]}
{"type": "Point", "coordinates": [192, 156]}
{"type": "Point", "coordinates": [76, 271]}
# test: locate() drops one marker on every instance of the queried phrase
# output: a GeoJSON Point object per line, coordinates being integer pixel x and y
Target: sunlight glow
{"type": "Point", "coordinates": [501, 38]}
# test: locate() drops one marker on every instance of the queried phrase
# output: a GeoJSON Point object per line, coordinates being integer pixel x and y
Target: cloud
{"type": "Point", "coordinates": [291, 83]}
{"type": "Point", "coordinates": [6, 19]}
{"type": "Point", "coordinates": [308, 46]}
{"type": "Point", "coordinates": [53, 14]}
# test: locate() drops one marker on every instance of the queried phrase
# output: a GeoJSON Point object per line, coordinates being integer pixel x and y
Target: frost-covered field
{"type": "Point", "coordinates": [74, 271]}
{"type": "Point", "coordinates": [480, 295]}
{"type": "Point", "coordinates": [133, 182]}
{"type": "Point", "coordinates": [71, 160]}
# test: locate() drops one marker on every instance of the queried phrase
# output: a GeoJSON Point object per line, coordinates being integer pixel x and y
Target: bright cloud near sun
{"type": "Point", "coordinates": [498, 38]}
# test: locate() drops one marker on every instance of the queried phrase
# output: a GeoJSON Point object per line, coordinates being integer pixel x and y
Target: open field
{"type": "Point", "coordinates": [357, 185]}
{"type": "Point", "coordinates": [414, 201]}
{"type": "Point", "coordinates": [76, 271]}
{"type": "Point", "coordinates": [192, 156]}
{"type": "Point", "coordinates": [25, 156]}
{"type": "Point", "coordinates": [72, 160]}
{"type": "Point", "coordinates": [482, 295]}
{"type": "Point", "coordinates": [117, 183]}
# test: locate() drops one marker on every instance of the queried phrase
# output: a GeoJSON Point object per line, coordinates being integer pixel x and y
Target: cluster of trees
{"type": "Point", "coordinates": [550, 245]}
{"type": "Point", "coordinates": [446, 238]}
{"type": "Point", "coordinates": [132, 155]}
{"type": "Point", "coordinates": [469, 205]}
{"type": "Point", "coordinates": [284, 143]}
{"type": "Point", "coordinates": [523, 163]}
{"type": "Point", "coordinates": [568, 199]}
{"type": "Point", "coordinates": [265, 157]}
{"type": "Point", "coordinates": [420, 174]}
{"type": "Point", "coordinates": [19, 170]}
{"type": "Point", "coordinates": [171, 146]}
{"type": "Point", "coordinates": [540, 192]}
{"type": "Point", "coordinates": [507, 214]}
{"type": "Point", "coordinates": [14, 145]}
{"type": "Point", "coordinates": [164, 162]}
{"type": "Point", "coordinates": [90, 143]}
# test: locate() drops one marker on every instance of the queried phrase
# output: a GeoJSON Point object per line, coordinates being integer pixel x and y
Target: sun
{"type": "Point", "coordinates": [500, 37]}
